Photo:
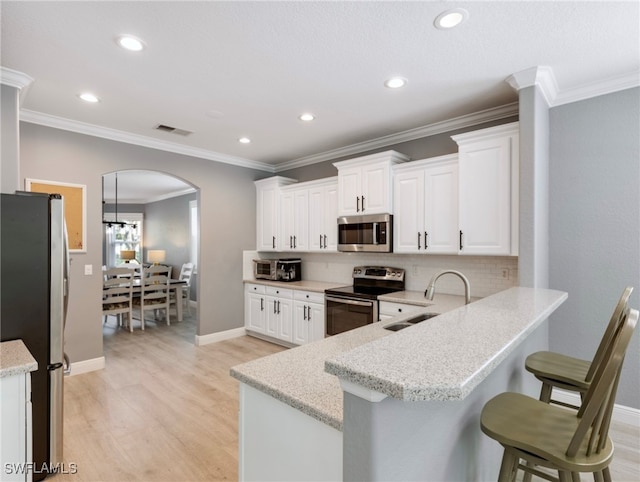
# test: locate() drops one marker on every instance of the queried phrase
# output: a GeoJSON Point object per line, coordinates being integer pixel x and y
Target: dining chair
{"type": "Point", "coordinates": [569, 373]}
{"type": "Point", "coordinates": [566, 441]}
{"type": "Point", "coordinates": [154, 292]}
{"type": "Point", "coordinates": [185, 291]}
{"type": "Point", "coordinates": [117, 295]}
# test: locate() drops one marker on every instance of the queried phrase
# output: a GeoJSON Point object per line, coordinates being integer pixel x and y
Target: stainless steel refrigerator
{"type": "Point", "coordinates": [33, 304]}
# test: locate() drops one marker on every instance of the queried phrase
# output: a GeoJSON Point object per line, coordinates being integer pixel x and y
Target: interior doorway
{"type": "Point", "coordinates": [152, 217]}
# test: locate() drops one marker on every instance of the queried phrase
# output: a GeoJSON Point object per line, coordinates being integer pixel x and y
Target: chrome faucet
{"type": "Point", "coordinates": [431, 289]}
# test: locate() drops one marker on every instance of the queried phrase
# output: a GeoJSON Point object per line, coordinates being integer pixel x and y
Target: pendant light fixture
{"type": "Point", "coordinates": [110, 224]}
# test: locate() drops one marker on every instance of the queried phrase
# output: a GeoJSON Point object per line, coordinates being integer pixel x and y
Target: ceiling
{"type": "Point", "coordinates": [224, 70]}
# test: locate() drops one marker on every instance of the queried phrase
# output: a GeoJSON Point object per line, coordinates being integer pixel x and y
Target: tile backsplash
{"type": "Point", "coordinates": [487, 274]}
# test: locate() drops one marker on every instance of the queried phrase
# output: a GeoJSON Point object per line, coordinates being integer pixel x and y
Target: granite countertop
{"type": "Point", "coordinates": [15, 359]}
{"type": "Point", "coordinates": [446, 357]}
{"type": "Point", "coordinates": [315, 286]}
{"type": "Point", "coordinates": [297, 376]}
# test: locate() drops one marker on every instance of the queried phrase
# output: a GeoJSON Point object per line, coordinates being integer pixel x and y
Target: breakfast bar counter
{"type": "Point", "coordinates": [380, 395]}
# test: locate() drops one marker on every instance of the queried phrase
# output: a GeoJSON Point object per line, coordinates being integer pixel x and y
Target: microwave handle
{"type": "Point", "coordinates": [376, 226]}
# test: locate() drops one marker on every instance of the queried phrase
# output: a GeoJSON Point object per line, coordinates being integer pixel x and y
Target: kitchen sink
{"type": "Point", "coordinates": [401, 325]}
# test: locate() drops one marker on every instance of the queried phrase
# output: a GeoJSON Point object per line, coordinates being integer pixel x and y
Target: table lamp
{"type": "Point", "coordinates": [156, 256]}
{"type": "Point", "coordinates": [127, 255]}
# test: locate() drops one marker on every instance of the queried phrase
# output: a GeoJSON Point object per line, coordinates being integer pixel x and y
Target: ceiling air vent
{"type": "Point", "coordinates": [172, 130]}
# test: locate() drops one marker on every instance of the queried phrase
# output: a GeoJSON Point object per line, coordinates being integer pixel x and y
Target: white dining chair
{"type": "Point", "coordinates": [185, 291]}
{"type": "Point", "coordinates": [117, 295]}
{"type": "Point", "coordinates": [154, 292]}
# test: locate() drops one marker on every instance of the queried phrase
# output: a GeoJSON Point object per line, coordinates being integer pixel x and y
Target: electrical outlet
{"type": "Point", "coordinates": [505, 273]}
{"type": "Point", "coordinates": [88, 269]}
{"type": "Point", "coordinates": [414, 270]}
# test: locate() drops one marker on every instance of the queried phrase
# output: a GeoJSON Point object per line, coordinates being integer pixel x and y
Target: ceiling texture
{"type": "Point", "coordinates": [224, 70]}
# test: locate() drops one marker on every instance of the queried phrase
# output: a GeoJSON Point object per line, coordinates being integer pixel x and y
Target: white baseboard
{"type": "Point", "coordinates": [86, 366]}
{"type": "Point", "coordinates": [220, 336]}
{"type": "Point", "coordinates": [621, 413]}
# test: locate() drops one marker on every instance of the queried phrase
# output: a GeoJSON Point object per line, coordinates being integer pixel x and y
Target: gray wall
{"type": "Point", "coordinates": [424, 148]}
{"type": "Point", "coordinates": [58, 155]}
{"type": "Point", "coordinates": [166, 226]}
{"type": "Point", "coordinates": [9, 136]}
{"type": "Point", "coordinates": [594, 238]}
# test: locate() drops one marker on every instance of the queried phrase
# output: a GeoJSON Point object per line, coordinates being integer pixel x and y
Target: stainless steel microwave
{"type": "Point", "coordinates": [366, 233]}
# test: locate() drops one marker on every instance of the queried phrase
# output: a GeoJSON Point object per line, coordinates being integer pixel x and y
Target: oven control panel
{"type": "Point", "coordinates": [378, 273]}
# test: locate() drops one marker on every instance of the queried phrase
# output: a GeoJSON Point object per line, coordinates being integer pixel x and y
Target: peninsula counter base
{"type": "Point", "coordinates": [278, 442]}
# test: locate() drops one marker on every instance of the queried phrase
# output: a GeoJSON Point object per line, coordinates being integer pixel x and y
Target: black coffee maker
{"type": "Point", "coordinates": [289, 269]}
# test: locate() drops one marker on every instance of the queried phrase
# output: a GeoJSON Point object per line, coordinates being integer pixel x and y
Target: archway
{"type": "Point", "coordinates": [145, 211]}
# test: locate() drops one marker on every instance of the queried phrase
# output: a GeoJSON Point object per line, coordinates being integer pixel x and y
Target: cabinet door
{"type": "Point", "coordinates": [301, 220]}
{"type": "Point", "coordinates": [408, 193]}
{"type": "Point", "coordinates": [315, 316]}
{"type": "Point", "coordinates": [254, 315]}
{"type": "Point", "coordinates": [485, 197]}
{"type": "Point", "coordinates": [316, 218]}
{"type": "Point", "coordinates": [267, 218]}
{"type": "Point", "coordinates": [331, 218]}
{"type": "Point", "coordinates": [272, 317]}
{"type": "Point", "coordinates": [349, 191]}
{"type": "Point", "coordinates": [376, 189]}
{"type": "Point", "coordinates": [285, 319]}
{"type": "Point", "coordinates": [287, 222]}
{"type": "Point", "coordinates": [441, 210]}
{"type": "Point", "coordinates": [301, 326]}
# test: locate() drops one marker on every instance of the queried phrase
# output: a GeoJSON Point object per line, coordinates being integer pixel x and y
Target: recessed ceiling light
{"type": "Point", "coordinates": [89, 97]}
{"type": "Point", "coordinates": [395, 82]}
{"type": "Point", "coordinates": [130, 42]}
{"type": "Point", "coordinates": [307, 117]}
{"type": "Point", "coordinates": [451, 18]}
{"type": "Point", "coordinates": [244, 140]}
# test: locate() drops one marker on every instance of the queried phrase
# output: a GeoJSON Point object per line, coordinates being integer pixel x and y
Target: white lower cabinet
{"type": "Point", "coordinates": [389, 309]}
{"type": "Point", "coordinates": [255, 308]}
{"type": "Point", "coordinates": [308, 317]}
{"type": "Point", "coordinates": [293, 316]}
{"type": "Point", "coordinates": [279, 303]}
{"type": "Point", "coordinates": [15, 426]}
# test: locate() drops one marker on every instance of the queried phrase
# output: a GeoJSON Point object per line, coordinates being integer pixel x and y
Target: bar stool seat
{"type": "Point", "coordinates": [569, 373]}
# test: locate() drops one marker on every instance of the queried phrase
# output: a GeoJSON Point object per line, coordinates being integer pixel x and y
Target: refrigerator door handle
{"type": "Point", "coordinates": [65, 273]}
{"type": "Point", "coordinates": [67, 365]}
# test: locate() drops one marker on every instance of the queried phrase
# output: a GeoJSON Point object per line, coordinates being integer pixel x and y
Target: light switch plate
{"type": "Point", "coordinates": [88, 269]}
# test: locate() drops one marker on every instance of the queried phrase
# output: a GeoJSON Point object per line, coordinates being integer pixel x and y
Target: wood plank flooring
{"type": "Point", "coordinates": [166, 410]}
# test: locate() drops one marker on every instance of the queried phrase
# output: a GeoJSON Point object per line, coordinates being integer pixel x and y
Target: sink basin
{"type": "Point", "coordinates": [419, 318]}
{"type": "Point", "coordinates": [401, 325]}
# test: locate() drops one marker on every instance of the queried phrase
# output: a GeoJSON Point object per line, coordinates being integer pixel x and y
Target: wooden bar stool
{"type": "Point", "coordinates": [569, 442]}
{"type": "Point", "coordinates": [573, 374]}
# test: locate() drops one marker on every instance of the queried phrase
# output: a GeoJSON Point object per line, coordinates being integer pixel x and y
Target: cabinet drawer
{"type": "Point", "coordinates": [393, 309]}
{"type": "Point", "coordinates": [309, 296]}
{"type": "Point", "coordinates": [279, 292]}
{"type": "Point", "coordinates": [257, 289]}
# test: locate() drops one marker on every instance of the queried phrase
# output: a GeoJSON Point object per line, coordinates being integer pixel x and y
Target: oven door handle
{"type": "Point", "coordinates": [349, 302]}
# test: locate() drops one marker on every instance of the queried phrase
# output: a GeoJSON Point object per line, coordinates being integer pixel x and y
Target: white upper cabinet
{"type": "Point", "coordinates": [488, 172]}
{"type": "Point", "coordinates": [268, 235]}
{"type": "Point", "coordinates": [365, 185]}
{"type": "Point", "coordinates": [426, 206]}
{"type": "Point", "coordinates": [323, 214]}
{"type": "Point", "coordinates": [294, 219]}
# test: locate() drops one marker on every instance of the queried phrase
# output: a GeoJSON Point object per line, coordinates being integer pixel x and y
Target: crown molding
{"type": "Point", "coordinates": [542, 76]}
{"type": "Point", "coordinates": [17, 80]}
{"type": "Point", "coordinates": [487, 115]}
{"type": "Point", "coordinates": [595, 89]}
{"type": "Point", "coordinates": [143, 141]}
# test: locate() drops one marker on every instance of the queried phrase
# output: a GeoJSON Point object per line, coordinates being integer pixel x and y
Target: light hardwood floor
{"type": "Point", "coordinates": [165, 410]}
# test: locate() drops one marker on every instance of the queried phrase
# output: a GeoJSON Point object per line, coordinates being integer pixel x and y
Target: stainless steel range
{"type": "Point", "coordinates": [350, 307]}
